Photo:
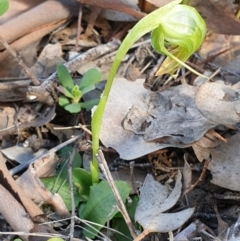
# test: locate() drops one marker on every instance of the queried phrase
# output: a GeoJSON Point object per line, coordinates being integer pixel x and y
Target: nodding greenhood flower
{"type": "Point", "coordinates": [179, 27]}
{"type": "Point", "coordinates": [182, 29]}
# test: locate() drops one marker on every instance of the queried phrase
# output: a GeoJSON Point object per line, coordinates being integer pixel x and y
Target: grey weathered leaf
{"type": "Point", "coordinates": [122, 96]}
{"type": "Point", "coordinates": [177, 117]}
{"type": "Point", "coordinates": [156, 199]}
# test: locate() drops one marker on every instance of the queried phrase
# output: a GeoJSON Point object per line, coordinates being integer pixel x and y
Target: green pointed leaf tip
{"type": "Point", "coordinates": [91, 77]}
{"type": "Point", "coordinates": [83, 181]}
{"type": "Point", "coordinates": [76, 94]}
{"type": "Point", "coordinates": [64, 77]}
{"type": "Point", "coordinates": [63, 100]}
{"type": "Point", "coordinates": [4, 5]}
{"type": "Point", "coordinates": [64, 91]}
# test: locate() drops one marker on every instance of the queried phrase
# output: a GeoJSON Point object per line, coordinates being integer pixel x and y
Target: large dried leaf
{"type": "Point", "coordinates": [156, 199]}
{"type": "Point", "coordinates": [177, 117]}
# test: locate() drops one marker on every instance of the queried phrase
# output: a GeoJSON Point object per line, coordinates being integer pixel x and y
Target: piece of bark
{"type": "Point", "coordinates": [38, 17]}
{"type": "Point", "coordinates": [8, 182]}
{"type": "Point", "coordinates": [14, 213]}
{"type": "Point", "coordinates": [33, 187]}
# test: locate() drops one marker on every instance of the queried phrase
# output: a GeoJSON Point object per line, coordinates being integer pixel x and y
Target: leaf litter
{"type": "Point", "coordinates": [202, 121]}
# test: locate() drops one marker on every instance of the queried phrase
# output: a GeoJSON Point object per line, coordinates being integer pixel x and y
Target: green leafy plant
{"type": "Point", "coordinates": [177, 31]}
{"type": "Point", "coordinates": [102, 205]}
{"type": "Point", "coordinates": [4, 5]}
{"type": "Point", "coordinates": [97, 200]}
{"type": "Point", "coordinates": [72, 94]}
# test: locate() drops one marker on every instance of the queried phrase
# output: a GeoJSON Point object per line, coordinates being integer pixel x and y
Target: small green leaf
{"type": "Point", "coordinates": [4, 5]}
{"type": "Point", "coordinates": [73, 108]}
{"type": "Point", "coordinates": [83, 181]}
{"type": "Point", "coordinates": [64, 77]}
{"type": "Point", "coordinates": [101, 203]}
{"type": "Point", "coordinates": [60, 184]}
{"type": "Point", "coordinates": [65, 91]}
{"type": "Point", "coordinates": [86, 89]}
{"type": "Point", "coordinates": [88, 105]}
{"type": "Point", "coordinates": [63, 101]}
{"type": "Point", "coordinates": [91, 77]}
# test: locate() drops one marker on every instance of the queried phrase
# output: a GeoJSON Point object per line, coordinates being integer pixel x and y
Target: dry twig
{"type": "Point", "coordinates": [104, 167]}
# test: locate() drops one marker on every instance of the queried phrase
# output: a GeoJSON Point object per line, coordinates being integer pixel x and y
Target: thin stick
{"type": "Point", "coordinates": [18, 58]}
{"type": "Point", "coordinates": [79, 27]}
{"type": "Point", "coordinates": [71, 233]}
{"type": "Point", "coordinates": [104, 167]}
{"type": "Point", "coordinates": [142, 235]}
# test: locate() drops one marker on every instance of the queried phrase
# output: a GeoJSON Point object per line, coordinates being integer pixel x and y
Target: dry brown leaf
{"type": "Point", "coordinates": [27, 116]}
{"type": "Point", "coordinates": [222, 226]}
{"type": "Point", "coordinates": [187, 176]}
{"type": "Point", "coordinates": [219, 48]}
{"type": "Point", "coordinates": [46, 63]}
{"type": "Point", "coordinates": [121, 6]}
{"type": "Point", "coordinates": [33, 210]}
{"type": "Point", "coordinates": [33, 187]}
{"type": "Point", "coordinates": [217, 19]}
